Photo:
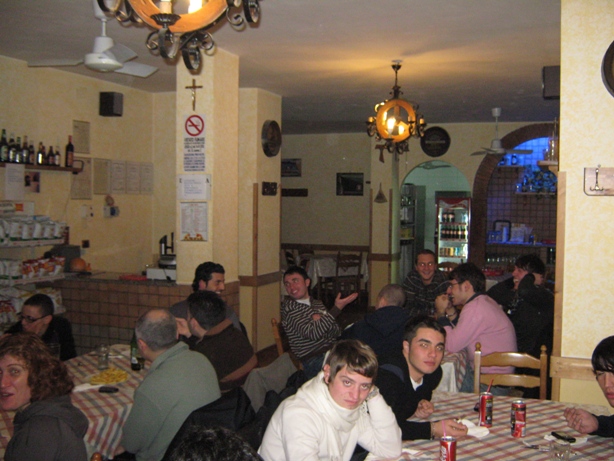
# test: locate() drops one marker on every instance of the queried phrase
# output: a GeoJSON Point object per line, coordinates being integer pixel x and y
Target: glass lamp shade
{"type": "Point", "coordinates": [395, 120]}
{"type": "Point", "coordinates": [208, 14]}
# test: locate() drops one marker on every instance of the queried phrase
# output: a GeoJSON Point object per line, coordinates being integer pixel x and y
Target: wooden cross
{"type": "Point", "coordinates": [193, 88]}
{"type": "Point", "coordinates": [381, 148]}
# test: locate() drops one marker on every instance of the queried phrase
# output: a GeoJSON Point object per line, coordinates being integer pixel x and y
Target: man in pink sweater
{"type": "Point", "coordinates": [481, 320]}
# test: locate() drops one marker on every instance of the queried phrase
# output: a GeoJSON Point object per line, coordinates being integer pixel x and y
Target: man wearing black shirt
{"type": "Point", "coordinates": [407, 380]}
{"type": "Point", "coordinates": [37, 317]}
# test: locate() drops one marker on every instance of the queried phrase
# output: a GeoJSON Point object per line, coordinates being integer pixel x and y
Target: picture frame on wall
{"type": "Point", "coordinates": [291, 167]}
{"type": "Point", "coordinates": [350, 184]}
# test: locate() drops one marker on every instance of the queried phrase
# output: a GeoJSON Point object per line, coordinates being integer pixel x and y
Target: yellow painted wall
{"type": "Point", "coordinates": [323, 217]}
{"type": "Point", "coordinates": [42, 103]}
{"type": "Point", "coordinates": [586, 140]}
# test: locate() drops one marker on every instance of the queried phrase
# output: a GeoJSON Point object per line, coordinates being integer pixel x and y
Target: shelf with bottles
{"type": "Point", "coordinates": [45, 167]}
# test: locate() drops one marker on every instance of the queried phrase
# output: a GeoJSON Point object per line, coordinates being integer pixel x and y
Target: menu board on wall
{"type": "Point", "coordinates": [81, 188]}
{"type": "Point", "coordinates": [194, 221]}
{"type": "Point", "coordinates": [133, 178]}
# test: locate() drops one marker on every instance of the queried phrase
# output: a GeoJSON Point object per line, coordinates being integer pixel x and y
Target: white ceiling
{"type": "Point", "coordinates": [330, 59]}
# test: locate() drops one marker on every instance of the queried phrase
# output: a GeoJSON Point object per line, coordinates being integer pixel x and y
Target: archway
{"type": "Point", "coordinates": [478, 230]}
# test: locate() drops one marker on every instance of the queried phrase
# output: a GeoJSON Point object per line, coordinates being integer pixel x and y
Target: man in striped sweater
{"type": "Point", "coordinates": [310, 327]}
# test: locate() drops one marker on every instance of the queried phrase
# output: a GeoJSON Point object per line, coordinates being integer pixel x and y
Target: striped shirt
{"type": "Point", "coordinates": [306, 335]}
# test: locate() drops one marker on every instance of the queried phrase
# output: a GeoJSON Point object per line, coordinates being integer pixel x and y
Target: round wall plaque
{"type": "Point", "coordinates": [271, 138]}
{"type": "Point", "coordinates": [435, 142]}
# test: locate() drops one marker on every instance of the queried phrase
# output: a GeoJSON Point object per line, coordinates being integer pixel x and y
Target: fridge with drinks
{"type": "Point", "coordinates": [453, 223]}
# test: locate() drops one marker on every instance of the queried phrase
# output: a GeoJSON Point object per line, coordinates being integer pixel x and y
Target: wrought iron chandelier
{"type": "Point", "coordinates": [395, 120]}
{"type": "Point", "coordinates": [182, 32]}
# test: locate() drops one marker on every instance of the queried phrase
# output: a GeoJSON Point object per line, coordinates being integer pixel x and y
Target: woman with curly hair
{"type": "Point", "coordinates": [37, 386]}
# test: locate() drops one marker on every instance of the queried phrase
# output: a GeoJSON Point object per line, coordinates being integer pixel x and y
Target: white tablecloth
{"type": "Point", "coordinates": [325, 265]}
{"type": "Point", "coordinates": [454, 366]}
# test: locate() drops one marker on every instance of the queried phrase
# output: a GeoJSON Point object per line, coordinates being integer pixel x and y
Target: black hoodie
{"type": "Point", "coordinates": [48, 430]}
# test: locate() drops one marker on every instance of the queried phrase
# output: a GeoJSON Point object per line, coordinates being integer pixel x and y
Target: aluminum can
{"type": "Point", "coordinates": [486, 403]}
{"type": "Point", "coordinates": [518, 418]}
{"type": "Point", "coordinates": [447, 449]}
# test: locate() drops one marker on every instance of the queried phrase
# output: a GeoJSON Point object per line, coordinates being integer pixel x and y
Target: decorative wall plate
{"type": "Point", "coordinates": [271, 138]}
{"type": "Point", "coordinates": [435, 142]}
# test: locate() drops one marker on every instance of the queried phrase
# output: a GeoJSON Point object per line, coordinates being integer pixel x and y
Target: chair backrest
{"type": "Point", "coordinates": [277, 335]}
{"type": "Point", "coordinates": [511, 359]}
{"type": "Point", "coordinates": [348, 261]}
{"type": "Point", "coordinates": [347, 273]}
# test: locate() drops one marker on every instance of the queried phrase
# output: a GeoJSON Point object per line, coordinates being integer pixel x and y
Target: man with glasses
{"type": "Point", "coordinates": [37, 317]}
{"type": "Point", "coordinates": [423, 284]}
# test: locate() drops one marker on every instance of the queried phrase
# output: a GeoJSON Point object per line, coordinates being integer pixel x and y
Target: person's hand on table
{"type": "Point", "coordinates": [424, 410]}
{"type": "Point", "coordinates": [581, 420]}
{"type": "Point", "coordinates": [340, 302]}
{"type": "Point", "coordinates": [453, 429]}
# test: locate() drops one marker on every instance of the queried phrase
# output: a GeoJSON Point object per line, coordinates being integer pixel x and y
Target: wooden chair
{"type": "Point", "coordinates": [447, 266]}
{"type": "Point", "coordinates": [277, 335]}
{"type": "Point", "coordinates": [511, 359]}
{"type": "Point", "coordinates": [348, 283]}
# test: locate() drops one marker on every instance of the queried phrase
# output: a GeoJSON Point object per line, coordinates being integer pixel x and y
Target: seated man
{"type": "Point", "coordinates": [529, 305]}
{"type": "Point", "coordinates": [333, 412]}
{"type": "Point", "coordinates": [37, 317]}
{"type": "Point", "coordinates": [311, 329]}
{"type": "Point", "coordinates": [209, 276]}
{"type": "Point", "coordinates": [603, 367]}
{"type": "Point", "coordinates": [481, 320]}
{"type": "Point", "coordinates": [383, 329]}
{"type": "Point", "coordinates": [178, 382]}
{"type": "Point", "coordinates": [228, 350]}
{"type": "Point", "coordinates": [423, 284]}
{"type": "Point", "coordinates": [407, 379]}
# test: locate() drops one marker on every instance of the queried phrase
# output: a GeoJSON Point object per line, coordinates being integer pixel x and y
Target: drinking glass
{"type": "Point", "coordinates": [102, 351]}
{"type": "Point", "coordinates": [559, 450]}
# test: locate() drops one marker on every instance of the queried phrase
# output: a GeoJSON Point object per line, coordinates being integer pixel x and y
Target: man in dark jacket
{"type": "Point", "coordinates": [407, 379]}
{"type": "Point", "coordinates": [383, 329]}
{"type": "Point", "coordinates": [529, 305]}
{"type": "Point", "coordinates": [37, 317]}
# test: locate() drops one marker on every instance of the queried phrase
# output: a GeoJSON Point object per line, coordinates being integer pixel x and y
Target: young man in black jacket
{"type": "Point", "coordinates": [407, 379]}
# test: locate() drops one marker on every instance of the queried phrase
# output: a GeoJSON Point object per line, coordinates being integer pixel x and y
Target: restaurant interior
{"type": "Point", "coordinates": [332, 188]}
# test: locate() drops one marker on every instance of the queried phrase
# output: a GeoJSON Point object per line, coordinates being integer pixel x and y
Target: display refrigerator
{"type": "Point", "coordinates": [453, 223]}
{"type": "Point", "coordinates": [411, 233]}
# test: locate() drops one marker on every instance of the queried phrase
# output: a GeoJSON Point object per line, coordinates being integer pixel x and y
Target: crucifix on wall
{"type": "Point", "coordinates": [194, 87]}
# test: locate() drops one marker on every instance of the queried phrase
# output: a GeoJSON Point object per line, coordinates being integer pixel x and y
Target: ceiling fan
{"type": "Point", "coordinates": [495, 145]}
{"type": "Point", "coordinates": [106, 56]}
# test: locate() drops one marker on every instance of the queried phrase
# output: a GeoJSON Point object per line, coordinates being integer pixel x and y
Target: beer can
{"type": "Point", "coordinates": [447, 449]}
{"type": "Point", "coordinates": [486, 403]}
{"type": "Point", "coordinates": [518, 418]}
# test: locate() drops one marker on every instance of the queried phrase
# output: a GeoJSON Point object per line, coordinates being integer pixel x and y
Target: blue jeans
{"type": "Point", "coordinates": [467, 385]}
{"type": "Point", "coordinates": [312, 366]}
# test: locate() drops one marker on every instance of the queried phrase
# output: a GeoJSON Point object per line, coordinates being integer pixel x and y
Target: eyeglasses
{"type": "Point", "coordinates": [28, 319]}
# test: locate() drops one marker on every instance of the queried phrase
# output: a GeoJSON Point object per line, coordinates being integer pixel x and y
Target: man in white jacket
{"type": "Point", "coordinates": [334, 412]}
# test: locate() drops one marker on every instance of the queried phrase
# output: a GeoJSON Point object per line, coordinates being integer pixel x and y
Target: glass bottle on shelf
{"type": "Point", "coordinates": [4, 147]}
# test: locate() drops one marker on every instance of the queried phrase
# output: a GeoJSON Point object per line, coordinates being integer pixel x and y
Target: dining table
{"type": "Point", "coordinates": [106, 412]}
{"type": "Point", "coordinates": [323, 266]}
{"type": "Point", "coordinates": [453, 367]}
{"type": "Point", "coordinates": [542, 417]}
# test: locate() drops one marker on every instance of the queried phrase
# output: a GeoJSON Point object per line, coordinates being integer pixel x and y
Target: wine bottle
{"type": "Point", "coordinates": [50, 159]}
{"type": "Point", "coordinates": [134, 354]}
{"type": "Point", "coordinates": [57, 161]}
{"type": "Point", "coordinates": [17, 151]}
{"type": "Point", "coordinates": [31, 155]}
{"type": "Point", "coordinates": [4, 147]}
{"type": "Point", "coordinates": [70, 153]}
{"type": "Point", "coordinates": [40, 154]}
{"type": "Point", "coordinates": [12, 149]}
{"type": "Point", "coordinates": [25, 153]}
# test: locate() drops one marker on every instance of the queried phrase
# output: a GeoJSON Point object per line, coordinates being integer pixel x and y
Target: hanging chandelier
{"type": "Point", "coordinates": [396, 120]}
{"type": "Point", "coordinates": [182, 32]}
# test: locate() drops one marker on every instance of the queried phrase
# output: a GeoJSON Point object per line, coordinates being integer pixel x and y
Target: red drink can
{"type": "Point", "coordinates": [447, 449]}
{"type": "Point", "coordinates": [486, 403]}
{"type": "Point", "coordinates": [518, 418]}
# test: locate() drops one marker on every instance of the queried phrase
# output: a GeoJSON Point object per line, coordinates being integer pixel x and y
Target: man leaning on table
{"type": "Point", "coordinates": [178, 382]}
{"type": "Point", "coordinates": [481, 320]}
{"type": "Point", "coordinates": [603, 367]}
{"type": "Point", "coordinates": [407, 379]}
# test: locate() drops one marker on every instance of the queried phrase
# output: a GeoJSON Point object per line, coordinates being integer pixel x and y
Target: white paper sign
{"type": "Point", "coordinates": [194, 143]}
{"type": "Point", "coordinates": [194, 222]}
{"type": "Point", "coordinates": [194, 187]}
{"type": "Point", "coordinates": [14, 183]}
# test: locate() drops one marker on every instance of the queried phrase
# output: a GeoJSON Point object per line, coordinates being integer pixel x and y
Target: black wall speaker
{"type": "Point", "coordinates": [111, 104]}
{"type": "Point", "coordinates": [551, 82]}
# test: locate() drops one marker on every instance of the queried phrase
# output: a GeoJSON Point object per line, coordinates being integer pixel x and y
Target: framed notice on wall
{"type": "Point", "coordinates": [81, 187]}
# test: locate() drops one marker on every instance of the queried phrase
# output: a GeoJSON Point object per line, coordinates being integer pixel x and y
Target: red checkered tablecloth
{"type": "Point", "coordinates": [106, 413]}
{"type": "Point", "coordinates": [543, 416]}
